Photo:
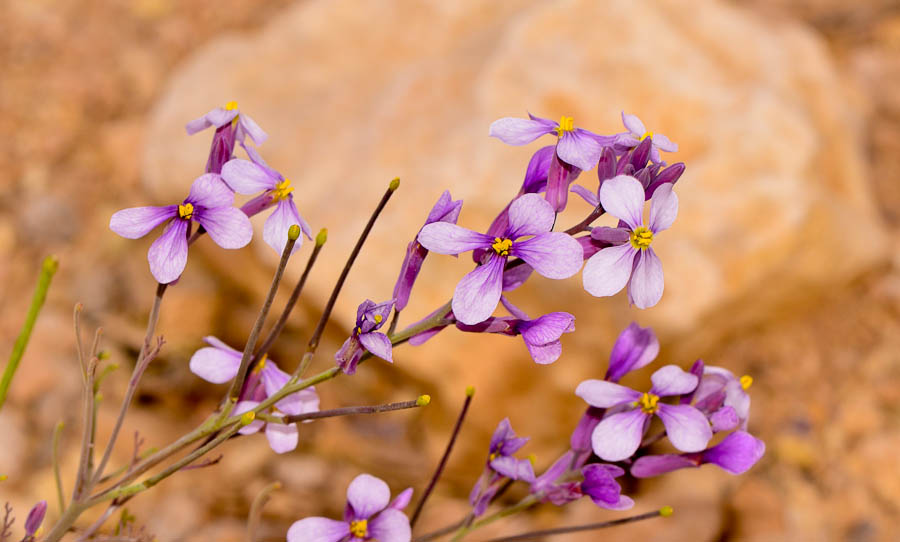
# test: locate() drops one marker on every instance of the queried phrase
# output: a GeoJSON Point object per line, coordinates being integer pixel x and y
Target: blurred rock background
{"type": "Point", "coordinates": [783, 262]}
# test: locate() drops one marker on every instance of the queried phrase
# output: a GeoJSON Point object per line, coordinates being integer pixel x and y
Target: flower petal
{"type": "Point", "coordinates": [368, 495]}
{"type": "Point", "coordinates": [516, 276]}
{"type": "Point", "coordinates": [249, 127]}
{"type": "Point", "coordinates": [617, 437]}
{"type": "Point", "coordinates": [529, 214]}
{"type": "Point", "coordinates": [634, 348]}
{"type": "Point", "coordinates": [137, 222]}
{"type": "Point", "coordinates": [515, 469]}
{"type": "Point", "coordinates": [547, 328]}
{"type": "Point", "coordinates": [378, 344]}
{"type": "Point", "coordinates": [673, 380]}
{"type": "Point", "coordinates": [686, 427]}
{"type": "Point", "coordinates": [538, 169]}
{"type": "Point", "coordinates": [587, 195]}
{"type": "Point", "coordinates": [654, 465]}
{"type": "Point", "coordinates": [646, 286]}
{"type": "Point", "coordinates": [663, 208]}
{"type": "Point", "coordinates": [245, 177]}
{"type": "Point", "coordinates": [390, 526]}
{"type": "Point", "coordinates": [282, 438]}
{"type": "Point", "coordinates": [579, 149]}
{"type": "Point", "coordinates": [168, 254]}
{"type": "Point", "coordinates": [724, 419]}
{"type": "Point", "coordinates": [663, 143]}
{"type": "Point", "coordinates": [217, 117]}
{"type": "Point", "coordinates": [252, 427]}
{"type": "Point", "coordinates": [600, 485]}
{"type": "Point", "coordinates": [516, 131]}
{"type": "Point", "coordinates": [623, 197]}
{"type": "Point", "coordinates": [215, 365]}
{"type": "Point", "coordinates": [447, 238]}
{"type": "Point", "coordinates": [603, 394]}
{"type": "Point", "coordinates": [318, 530]}
{"type": "Point", "coordinates": [608, 271]}
{"type": "Point", "coordinates": [209, 190]}
{"type": "Point", "coordinates": [633, 124]}
{"type": "Point", "coordinates": [477, 294]}
{"type": "Point", "coordinates": [401, 501]}
{"type": "Point", "coordinates": [737, 453]}
{"type": "Point", "coordinates": [544, 354]}
{"type": "Point", "coordinates": [229, 227]}
{"type": "Point", "coordinates": [555, 255]}
{"type": "Point", "coordinates": [276, 227]}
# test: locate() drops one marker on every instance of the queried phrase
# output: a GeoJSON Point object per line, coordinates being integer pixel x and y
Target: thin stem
{"type": "Point", "coordinates": [582, 226]}
{"type": "Point", "coordinates": [524, 504]}
{"type": "Point", "coordinates": [48, 269]}
{"type": "Point", "coordinates": [83, 477]}
{"type": "Point", "coordinates": [255, 515]}
{"type": "Point", "coordinates": [470, 392]}
{"type": "Point", "coordinates": [57, 432]}
{"type": "Point", "coordinates": [537, 535]}
{"type": "Point", "coordinates": [443, 530]}
{"type": "Point", "coordinates": [423, 400]}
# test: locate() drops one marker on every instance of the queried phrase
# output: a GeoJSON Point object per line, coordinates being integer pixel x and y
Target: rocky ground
{"type": "Point", "coordinates": [783, 263]}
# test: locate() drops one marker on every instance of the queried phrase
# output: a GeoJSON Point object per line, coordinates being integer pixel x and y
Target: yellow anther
{"type": "Point", "coordinates": [358, 330]}
{"type": "Point", "coordinates": [566, 124]}
{"type": "Point", "coordinates": [641, 237]}
{"type": "Point", "coordinates": [493, 456]}
{"type": "Point", "coordinates": [359, 528]}
{"type": "Point", "coordinates": [423, 400]}
{"type": "Point", "coordinates": [186, 211]}
{"type": "Point", "coordinates": [231, 106]}
{"type": "Point", "coordinates": [532, 458]}
{"type": "Point", "coordinates": [648, 402]}
{"type": "Point", "coordinates": [282, 190]}
{"type": "Point", "coordinates": [248, 417]}
{"type": "Point", "coordinates": [378, 318]}
{"type": "Point", "coordinates": [261, 364]}
{"type": "Point", "coordinates": [746, 382]}
{"type": "Point", "coordinates": [502, 246]}
{"type": "Point", "coordinates": [646, 135]}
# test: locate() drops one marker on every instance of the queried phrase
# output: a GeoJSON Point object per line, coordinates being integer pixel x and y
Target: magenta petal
{"type": "Point", "coordinates": [623, 197]}
{"type": "Point", "coordinates": [633, 124]}
{"type": "Point", "coordinates": [555, 255]}
{"type": "Point", "coordinates": [617, 437]}
{"type": "Point", "coordinates": [282, 438]}
{"type": "Point", "coordinates": [544, 354]}
{"type": "Point", "coordinates": [724, 419]}
{"type": "Point", "coordinates": [168, 254]}
{"type": "Point", "coordinates": [673, 380]}
{"type": "Point", "coordinates": [547, 328]}
{"type": "Point", "coordinates": [446, 238]}
{"type": "Point", "coordinates": [635, 347]}
{"type": "Point", "coordinates": [608, 271]}
{"type": "Point", "coordinates": [229, 227]}
{"type": "Point", "coordinates": [646, 286]}
{"type": "Point", "coordinates": [215, 365]}
{"type": "Point", "coordinates": [368, 495]}
{"type": "Point", "coordinates": [245, 177]}
{"type": "Point", "coordinates": [579, 149]}
{"type": "Point", "coordinates": [516, 131]}
{"type": "Point", "coordinates": [209, 190]}
{"type": "Point", "coordinates": [737, 453]}
{"type": "Point", "coordinates": [378, 344]}
{"type": "Point", "coordinates": [137, 222]}
{"type": "Point", "coordinates": [529, 215]}
{"type": "Point", "coordinates": [603, 394]}
{"type": "Point", "coordinates": [477, 294]}
{"type": "Point", "coordinates": [663, 208]}
{"type": "Point", "coordinates": [390, 526]}
{"type": "Point", "coordinates": [654, 465]}
{"type": "Point", "coordinates": [587, 195]}
{"type": "Point", "coordinates": [318, 530]}
{"type": "Point", "coordinates": [401, 501]}
{"type": "Point", "coordinates": [276, 227]}
{"type": "Point", "coordinates": [686, 427]}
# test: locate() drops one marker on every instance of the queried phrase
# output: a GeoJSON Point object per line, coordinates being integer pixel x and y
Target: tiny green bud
{"type": "Point", "coordinates": [322, 236]}
{"type": "Point", "coordinates": [51, 264]}
{"type": "Point", "coordinates": [102, 355]}
{"type": "Point", "coordinates": [294, 232]}
{"type": "Point", "coordinates": [395, 184]}
{"type": "Point", "coordinates": [248, 417]}
{"type": "Point", "coordinates": [470, 391]}
{"type": "Point", "coordinates": [666, 511]}
{"type": "Point", "coordinates": [423, 400]}
{"type": "Point", "coordinates": [3, 477]}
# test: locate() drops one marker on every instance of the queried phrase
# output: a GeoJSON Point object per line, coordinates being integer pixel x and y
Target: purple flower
{"type": "Point", "coordinates": [219, 363]}
{"type": "Point", "coordinates": [567, 480]}
{"type": "Point", "coordinates": [445, 210]}
{"type": "Point", "coordinates": [209, 203]}
{"type": "Point", "coordinates": [619, 434]}
{"type": "Point", "coordinates": [630, 261]}
{"type": "Point", "coordinates": [369, 516]}
{"type": "Point", "coordinates": [635, 347]}
{"type": "Point", "coordinates": [254, 176]}
{"type": "Point", "coordinates": [552, 254]}
{"type": "Point", "coordinates": [575, 146]}
{"type": "Point", "coordinates": [243, 125]}
{"type": "Point", "coordinates": [736, 454]}
{"type": "Point", "coordinates": [637, 133]}
{"type": "Point", "coordinates": [723, 397]}
{"type": "Point", "coordinates": [34, 520]}
{"type": "Point", "coordinates": [369, 318]}
{"type": "Point", "coordinates": [500, 464]}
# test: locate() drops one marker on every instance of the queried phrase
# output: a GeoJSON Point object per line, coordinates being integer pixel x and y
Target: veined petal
{"type": "Point", "coordinates": [249, 127]}
{"type": "Point", "coordinates": [654, 465]}
{"type": "Point", "coordinates": [672, 380]}
{"type": "Point", "coordinates": [547, 328]}
{"type": "Point", "coordinates": [390, 526]}
{"type": "Point", "coordinates": [663, 208]}
{"type": "Point", "coordinates": [555, 255]}
{"type": "Point", "coordinates": [544, 354]}
{"type": "Point", "coordinates": [646, 286]}
{"type": "Point", "coordinates": [663, 143]}
{"type": "Point", "coordinates": [318, 529]}
{"type": "Point", "coordinates": [623, 197]}
{"type": "Point", "coordinates": [529, 214]}
{"type": "Point", "coordinates": [603, 394]}
{"type": "Point", "coordinates": [477, 294]}
{"type": "Point", "coordinates": [168, 254]}
{"type": "Point", "coordinates": [515, 469]}
{"type": "Point", "coordinates": [229, 227]}
{"type": "Point", "coordinates": [579, 149]}
{"type": "Point", "coordinates": [634, 348]}
{"type": "Point", "coordinates": [446, 238]}
{"type": "Point", "coordinates": [217, 117]}
{"type": "Point", "coordinates": [737, 453]}
{"type": "Point", "coordinates": [378, 344]}
{"type": "Point", "coordinates": [617, 437]}
{"type": "Point", "coordinates": [368, 495]}
{"type": "Point", "coordinates": [608, 271]}
{"type": "Point", "coordinates": [538, 169]}
{"type": "Point", "coordinates": [215, 365]}
{"type": "Point", "coordinates": [587, 195]}
{"type": "Point", "coordinates": [633, 124]}
{"type": "Point", "coordinates": [282, 438]}
{"type": "Point", "coordinates": [245, 177]}
{"type": "Point", "coordinates": [276, 227]}
{"type": "Point", "coordinates": [686, 427]}
{"type": "Point", "coordinates": [209, 190]}
{"type": "Point", "coordinates": [516, 131]}
{"type": "Point", "coordinates": [137, 222]}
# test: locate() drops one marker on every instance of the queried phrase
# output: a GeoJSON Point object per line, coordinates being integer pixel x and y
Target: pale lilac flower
{"type": "Point", "coordinates": [370, 515]}
{"type": "Point", "coordinates": [500, 464]}
{"type": "Point", "coordinates": [445, 210]}
{"type": "Point", "coordinates": [254, 176]}
{"type": "Point", "coordinates": [631, 260]}
{"type": "Point", "coordinates": [365, 337]}
{"type": "Point", "coordinates": [568, 480]}
{"type": "Point", "coordinates": [736, 454]}
{"type": "Point", "coordinates": [575, 146]}
{"type": "Point", "coordinates": [209, 203]}
{"type": "Point", "coordinates": [219, 363]}
{"type": "Point", "coordinates": [552, 254]}
{"type": "Point", "coordinates": [638, 132]}
{"type": "Point", "coordinates": [720, 390]}
{"type": "Point", "coordinates": [619, 434]}
{"type": "Point", "coordinates": [219, 117]}
{"type": "Point", "coordinates": [34, 520]}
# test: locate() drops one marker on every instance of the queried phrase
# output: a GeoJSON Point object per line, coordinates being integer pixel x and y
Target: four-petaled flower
{"type": "Point", "coordinates": [209, 203]}
{"type": "Point", "coordinates": [370, 515]}
{"type": "Point", "coordinates": [243, 125]}
{"type": "Point", "coordinates": [575, 146]}
{"type": "Point", "coordinates": [619, 434]}
{"type": "Point", "coordinates": [637, 133]}
{"type": "Point", "coordinates": [552, 254]}
{"type": "Point", "coordinates": [369, 319]}
{"type": "Point", "coordinates": [568, 479]}
{"type": "Point", "coordinates": [500, 464]}
{"type": "Point", "coordinates": [630, 260]}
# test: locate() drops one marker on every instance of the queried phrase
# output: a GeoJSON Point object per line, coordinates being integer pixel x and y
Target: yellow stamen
{"type": "Point", "coordinates": [359, 528]}
{"type": "Point", "coordinates": [648, 402]}
{"type": "Point", "coordinates": [186, 211]}
{"type": "Point", "coordinates": [231, 106]}
{"type": "Point", "coordinates": [646, 135]}
{"type": "Point", "coordinates": [493, 456]}
{"type": "Point", "coordinates": [502, 246]}
{"type": "Point", "coordinates": [261, 365]}
{"type": "Point", "coordinates": [746, 382]}
{"type": "Point", "coordinates": [566, 124]}
{"type": "Point", "coordinates": [641, 237]}
{"type": "Point", "coordinates": [378, 318]}
{"type": "Point", "coordinates": [283, 189]}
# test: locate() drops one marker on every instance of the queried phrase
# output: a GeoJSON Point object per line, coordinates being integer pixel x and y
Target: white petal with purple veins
{"type": "Point", "coordinates": [646, 286]}
{"type": "Point", "coordinates": [447, 238]}
{"type": "Point", "coordinates": [672, 380]}
{"type": "Point", "coordinates": [137, 222]}
{"type": "Point", "coordinates": [529, 215]}
{"type": "Point", "coordinates": [623, 197]}
{"type": "Point", "coordinates": [617, 437]}
{"type": "Point", "coordinates": [663, 208]}
{"type": "Point", "coordinates": [608, 271]}
{"type": "Point", "coordinates": [477, 294]}
{"type": "Point", "coordinates": [516, 131]}
{"type": "Point", "coordinates": [209, 190]}
{"type": "Point", "coordinates": [276, 227]}
{"type": "Point", "coordinates": [555, 255]}
{"type": "Point", "coordinates": [686, 427]}
{"type": "Point", "coordinates": [245, 177]}
{"type": "Point", "coordinates": [378, 344]}
{"type": "Point", "coordinates": [579, 149]}
{"type": "Point", "coordinates": [229, 227]}
{"type": "Point", "coordinates": [168, 254]}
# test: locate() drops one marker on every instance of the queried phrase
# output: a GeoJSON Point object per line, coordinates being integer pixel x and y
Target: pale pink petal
{"type": "Point", "coordinates": [255, 425]}
{"type": "Point", "coordinates": [282, 438]}
{"type": "Point", "coordinates": [137, 222]}
{"type": "Point", "coordinates": [686, 427]}
{"type": "Point", "coordinates": [587, 195]}
{"type": "Point", "coordinates": [672, 380]}
{"type": "Point", "coordinates": [617, 437]}
{"type": "Point", "coordinates": [390, 526]}
{"type": "Point", "coordinates": [245, 177]}
{"type": "Point", "coordinates": [579, 148]}
{"type": "Point", "coordinates": [608, 271]}
{"type": "Point", "coordinates": [228, 227]}
{"type": "Point", "coordinates": [603, 394]}
{"type": "Point", "coordinates": [478, 293]}
{"type": "Point", "coordinates": [318, 530]}
{"type": "Point", "coordinates": [646, 286]}
{"type": "Point", "coordinates": [368, 495]}
{"type": "Point", "coordinates": [401, 501]}
{"type": "Point", "coordinates": [663, 208]}
{"type": "Point", "coordinates": [209, 190]}
{"type": "Point", "coordinates": [633, 124]}
{"type": "Point", "coordinates": [529, 215]}
{"type": "Point", "coordinates": [168, 254]}
{"type": "Point", "coordinates": [215, 365]}
{"type": "Point", "coordinates": [516, 131]}
{"type": "Point", "coordinates": [623, 197]}
{"type": "Point", "coordinates": [447, 238]}
{"type": "Point", "coordinates": [276, 227]}
{"type": "Point", "coordinates": [663, 143]}
{"type": "Point", "coordinates": [378, 344]}
{"type": "Point", "coordinates": [555, 255]}
{"type": "Point", "coordinates": [249, 127]}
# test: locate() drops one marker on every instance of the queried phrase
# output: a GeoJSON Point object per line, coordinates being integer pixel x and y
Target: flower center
{"type": "Point", "coordinates": [648, 402]}
{"type": "Point", "coordinates": [231, 106]}
{"type": "Point", "coordinates": [641, 237]}
{"type": "Point", "coordinates": [186, 211]}
{"type": "Point", "coordinates": [283, 189]}
{"type": "Point", "coordinates": [359, 528]}
{"type": "Point", "coordinates": [502, 246]}
{"type": "Point", "coordinates": [566, 124]}
{"type": "Point", "coordinates": [646, 135]}
{"type": "Point", "coordinates": [746, 382]}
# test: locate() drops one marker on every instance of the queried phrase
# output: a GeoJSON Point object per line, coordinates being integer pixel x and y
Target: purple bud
{"type": "Point", "coordinates": [222, 148]}
{"type": "Point", "coordinates": [35, 518]}
{"type": "Point", "coordinates": [641, 154]}
{"type": "Point", "coordinates": [635, 348]}
{"type": "Point", "coordinates": [670, 174]}
{"type": "Point", "coordinates": [537, 171]}
{"type": "Point", "coordinates": [606, 168]}
{"type": "Point", "coordinates": [560, 176]}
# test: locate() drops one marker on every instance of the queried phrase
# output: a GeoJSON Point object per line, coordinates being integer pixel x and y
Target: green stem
{"type": "Point", "coordinates": [522, 505]}
{"type": "Point", "coordinates": [56, 475]}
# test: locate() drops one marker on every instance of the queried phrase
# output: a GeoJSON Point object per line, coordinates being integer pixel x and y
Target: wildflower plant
{"type": "Point", "coordinates": [704, 410]}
